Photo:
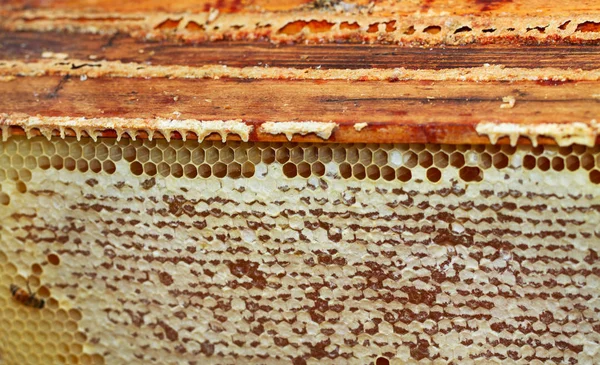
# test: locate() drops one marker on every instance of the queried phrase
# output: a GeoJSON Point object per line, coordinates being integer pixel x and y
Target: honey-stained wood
{"type": "Point", "coordinates": [409, 70]}
{"type": "Point", "coordinates": [406, 111]}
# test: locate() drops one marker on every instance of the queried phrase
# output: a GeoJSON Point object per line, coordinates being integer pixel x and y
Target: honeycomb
{"type": "Point", "coordinates": [221, 253]}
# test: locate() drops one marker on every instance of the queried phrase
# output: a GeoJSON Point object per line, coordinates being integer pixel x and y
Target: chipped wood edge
{"type": "Point", "coordinates": [317, 27]}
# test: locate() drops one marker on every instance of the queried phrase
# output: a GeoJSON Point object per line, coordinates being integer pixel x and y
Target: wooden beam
{"type": "Point", "coordinates": [30, 46]}
{"type": "Point", "coordinates": [407, 111]}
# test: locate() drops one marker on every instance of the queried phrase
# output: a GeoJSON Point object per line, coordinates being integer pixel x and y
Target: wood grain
{"type": "Point", "coordinates": [407, 111]}
{"type": "Point", "coordinates": [125, 38]}
{"type": "Point", "coordinates": [30, 45]}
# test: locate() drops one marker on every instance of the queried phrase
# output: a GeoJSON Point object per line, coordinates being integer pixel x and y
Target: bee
{"type": "Point", "coordinates": [26, 298]}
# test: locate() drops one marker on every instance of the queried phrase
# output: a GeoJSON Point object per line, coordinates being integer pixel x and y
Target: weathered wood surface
{"type": "Point", "coordinates": [30, 45]}
{"type": "Point", "coordinates": [404, 92]}
{"type": "Point", "coordinates": [406, 111]}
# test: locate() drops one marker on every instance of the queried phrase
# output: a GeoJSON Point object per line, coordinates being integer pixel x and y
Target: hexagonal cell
{"type": "Point", "coordinates": [595, 176]}
{"type": "Point", "coordinates": [109, 167]}
{"type": "Point", "coordinates": [339, 154]}
{"type": "Point", "coordinates": [24, 148]}
{"type": "Point", "coordinates": [30, 162]}
{"type": "Point", "coordinates": [325, 154]}
{"type": "Point", "coordinates": [345, 170]}
{"type": "Point", "coordinates": [17, 161]}
{"type": "Point", "coordinates": [358, 171]}
{"type": "Point", "coordinates": [49, 148]}
{"type": "Point", "coordinates": [70, 164]}
{"type": "Point", "coordinates": [95, 166]}
{"type": "Point", "coordinates": [115, 153]}
{"type": "Point", "coordinates": [248, 169]}
{"type": "Point", "coordinates": [12, 174]}
{"type": "Point", "coordinates": [440, 159]}
{"type": "Point", "coordinates": [558, 164]}
{"type": "Point", "coordinates": [318, 169]}
{"type": "Point", "coordinates": [169, 155]}
{"type": "Point", "coordinates": [101, 152]}
{"type": "Point", "coordinates": [204, 170]}
{"type": "Point", "coordinates": [197, 156]}
{"type": "Point", "coordinates": [403, 174]}
{"type": "Point", "coordinates": [297, 155]}
{"type": "Point", "coordinates": [500, 160]}
{"type": "Point", "coordinates": [311, 154]}
{"type": "Point", "coordinates": [190, 171]}
{"type": "Point", "coordinates": [219, 169]}
{"type": "Point", "coordinates": [212, 155]}
{"type": "Point", "coordinates": [471, 174]}
{"type": "Point", "coordinates": [352, 155]}
{"type": "Point", "coordinates": [425, 159]}
{"type": "Point", "coordinates": [37, 149]}
{"type": "Point", "coordinates": [129, 153]}
{"type": "Point", "coordinates": [25, 175]}
{"type": "Point", "coordinates": [434, 174]}
{"type": "Point", "coordinates": [57, 162]}
{"type": "Point", "coordinates": [4, 199]}
{"type": "Point", "coordinates": [282, 155]}
{"type": "Point", "coordinates": [304, 169]}
{"type": "Point", "coordinates": [226, 155]}
{"type": "Point", "coordinates": [572, 163]}
{"type": "Point", "coordinates": [184, 156]}
{"type": "Point", "coordinates": [543, 163]}
{"type": "Point", "coordinates": [485, 160]}
{"type": "Point", "coordinates": [156, 155]}
{"type": "Point", "coordinates": [176, 170]}
{"type": "Point", "coordinates": [365, 156]}
{"type": "Point", "coordinates": [143, 154]}
{"type": "Point", "coordinates": [5, 161]}
{"type": "Point", "coordinates": [234, 170]}
{"type": "Point", "coordinates": [254, 155]}
{"type": "Point", "coordinates": [587, 161]}
{"type": "Point", "coordinates": [380, 157]}
{"type": "Point", "coordinates": [373, 172]}
{"type": "Point", "coordinates": [82, 165]}
{"type": "Point", "coordinates": [89, 151]}
{"type": "Point", "coordinates": [75, 150]}
{"type": "Point", "coordinates": [268, 155]}
{"type": "Point", "coordinates": [241, 155]}
{"type": "Point", "coordinates": [163, 169]}
{"type": "Point", "coordinates": [410, 159]}
{"type": "Point", "coordinates": [136, 168]}
{"type": "Point", "coordinates": [289, 170]}
{"type": "Point", "coordinates": [388, 173]}
{"type": "Point", "coordinates": [529, 162]}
